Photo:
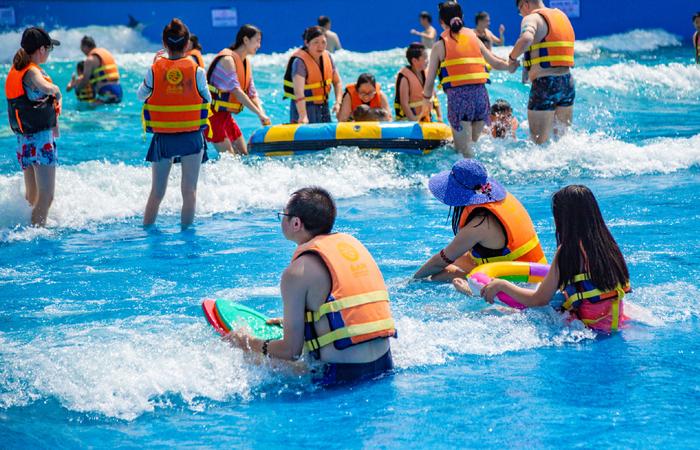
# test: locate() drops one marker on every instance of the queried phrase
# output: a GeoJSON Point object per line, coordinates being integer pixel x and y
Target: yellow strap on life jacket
{"type": "Point", "coordinates": [348, 332]}
{"type": "Point", "coordinates": [183, 124]}
{"type": "Point", "coordinates": [457, 61]}
{"type": "Point", "coordinates": [463, 77]}
{"type": "Point", "coordinates": [552, 44]}
{"type": "Point", "coordinates": [106, 76]}
{"type": "Point", "coordinates": [549, 58]}
{"type": "Point", "coordinates": [512, 256]}
{"type": "Point", "coordinates": [307, 87]}
{"type": "Point", "coordinates": [175, 108]}
{"type": "Point", "coordinates": [345, 303]}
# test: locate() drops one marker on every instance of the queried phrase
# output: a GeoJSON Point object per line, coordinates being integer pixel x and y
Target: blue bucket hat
{"type": "Point", "coordinates": [466, 184]}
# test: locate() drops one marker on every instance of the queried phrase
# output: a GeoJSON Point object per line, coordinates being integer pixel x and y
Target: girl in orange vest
{"type": "Point", "coordinates": [588, 266]}
{"type": "Point", "coordinates": [308, 79]}
{"type": "Point", "coordinates": [365, 92]}
{"type": "Point", "coordinates": [460, 58]}
{"type": "Point", "coordinates": [410, 81]}
{"type": "Point", "coordinates": [230, 79]}
{"type": "Point", "coordinates": [489, 224]}
{"type": "Point", "coordinates": [34, 103]}
{"type": "Point", "coordinates": [176, 108]}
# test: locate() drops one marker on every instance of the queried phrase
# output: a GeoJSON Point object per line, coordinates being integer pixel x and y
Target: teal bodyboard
{"type": "Point", "coordinates": [234, 315]}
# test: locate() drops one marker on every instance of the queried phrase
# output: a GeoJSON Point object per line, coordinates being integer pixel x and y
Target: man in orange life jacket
{"type": "Point", "coordinates": [336, 305]}
{"type": "Point", "coordinates": [547, 43]}
{"type": "Point", "coordinates": [101, 72]}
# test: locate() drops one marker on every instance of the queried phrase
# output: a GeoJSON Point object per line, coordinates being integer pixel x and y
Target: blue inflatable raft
{"type": "Point", "coordinates": [405, 137]}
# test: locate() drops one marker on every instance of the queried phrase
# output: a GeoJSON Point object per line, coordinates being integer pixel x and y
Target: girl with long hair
{"type": "Point", "coordinates": [588, 267]}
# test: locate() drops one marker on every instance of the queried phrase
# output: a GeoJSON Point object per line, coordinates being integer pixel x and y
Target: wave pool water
{"type": "Point", "coordinates": [102, 341]}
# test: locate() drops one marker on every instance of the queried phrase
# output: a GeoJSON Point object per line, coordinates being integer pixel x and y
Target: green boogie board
{"type": "Point", "coordinates": [231, 315]}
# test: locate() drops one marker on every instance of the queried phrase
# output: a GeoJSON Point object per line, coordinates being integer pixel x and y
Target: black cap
{"type": "Point", "coordinates": [34, 38]}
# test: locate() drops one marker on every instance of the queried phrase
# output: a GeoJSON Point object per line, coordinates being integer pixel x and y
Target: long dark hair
{"type": "Point", "coordinates": [246, 31]}
{"type": "Point", "coordinates": [195, 42]}
{"type": "Point", "coordinates": [176, 35]}
{"type": "Point", "coordinates": [451, 15]}
{"type": "Point", "coordinates": [585, 242]}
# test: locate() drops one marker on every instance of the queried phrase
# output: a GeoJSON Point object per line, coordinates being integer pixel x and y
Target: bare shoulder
{"type": "Point", "coordinates": [306, 266]}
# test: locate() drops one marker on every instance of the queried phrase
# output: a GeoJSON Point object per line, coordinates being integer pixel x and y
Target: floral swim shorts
{"type": "Point", "coordinates": [37, 149]}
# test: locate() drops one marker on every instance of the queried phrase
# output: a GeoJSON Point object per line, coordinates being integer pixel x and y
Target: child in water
{"type": "Point", "coordinates": [588, 267]}
{"type": "Point", "coordinates": [85, 94]}
{"type": "Point", "coordinates": [503, 124]}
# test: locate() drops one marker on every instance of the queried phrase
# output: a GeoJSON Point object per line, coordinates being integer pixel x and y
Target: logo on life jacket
{"type": "Point", "coordinates": [174, 76]}
{"type": "Point", "coordinates": [348, 252]}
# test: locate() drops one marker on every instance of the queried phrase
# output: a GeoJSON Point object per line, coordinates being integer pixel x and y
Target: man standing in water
{"type": "Point", "coordinates": [332, 39]}
{"type": "Point", "coordinates": [547, 42]}
{"type": "Point", "coordinates": [100, 71]}
{"type": "Point", "coordinates": [696, 37]}
{"type": "Point", "coordinates": [336, 305]}
{"type": "Point", "coordinates": [428, 35]}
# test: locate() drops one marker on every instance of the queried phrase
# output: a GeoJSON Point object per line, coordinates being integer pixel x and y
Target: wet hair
{"type": "Point", "coordinates": [176, 35]}
{"type": "Point", "coordinates": [482, 15]}
{"type": "Point", "coordinates": [195, 42]}
{"type": "Point", "coordinates": [80, 67]}
{"type": "Point", "coordinates": [585, 242]}
{"type": "Point", "coordinates": [365, 78]}
{"type": "Point", "coordinates": [246, 31]}
{"type": "Point", "coordinates": [323, 21]}
{"type": "Point", "coordinates": [364, 113]}
{"type": "Point", "coordinates": [501, 106]}
{"type": "Point", "coordinates": [21, 59]}
{"type": "Point", "coordinates": [312, 33]}
{"type": "Point", "coordinates": [426, 15]}
{"type": "Point", "coordinates": [88, 42]}
{"type": "Point", "coordinates": [315, 207]}
{"type": "Point", "coordinates": [414, 51]}
{"type": "Point", "coordinates": [451, 15]}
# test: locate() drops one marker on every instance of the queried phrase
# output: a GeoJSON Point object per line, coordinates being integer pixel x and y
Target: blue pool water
{"type": "Point", "coordinates": [102, 341]}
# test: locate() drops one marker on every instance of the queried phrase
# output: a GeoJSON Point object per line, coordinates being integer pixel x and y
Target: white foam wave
{"type": "Point", "coordinates": [118, 39]}
{"type": "Point", "coordinates": [129, 368]}
{"type": "Point", "coordinates": [126, 368]}
{"type": "Point", "coordinates": [581, 154]}
{"type": "Point", "coordinates": [100, 192]}
{"type": "Point", "coordinates": [631, 41]}
{"type": "Point", "coordinates": [676, 80]}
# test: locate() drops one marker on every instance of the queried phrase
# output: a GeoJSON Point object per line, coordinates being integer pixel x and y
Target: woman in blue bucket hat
{"type": "Point", "coordinates": [489, 224]}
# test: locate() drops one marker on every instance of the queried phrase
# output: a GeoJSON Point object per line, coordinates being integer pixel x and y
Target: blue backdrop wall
{"type": "Point", "coordinates": [363, 25]}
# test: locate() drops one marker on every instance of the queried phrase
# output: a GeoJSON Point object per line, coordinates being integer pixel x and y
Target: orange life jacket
{"type": "Point", "coordinates": [107, 72]}
{"type": "Point", "coordinates": [557, 47]}
{"type": "Point", "coordinates": [319, 79]}
{"type": "Point", "coordinates": [28, 116]}
{"type": "Point", "coordinates": [225, 100]}
{"type": "Point", "coordinates": [415, 93]}
{"type": "Point", "coordinates": [464, 63]}
{"type": "Point", "coordinates": [356, 101]}
{"type": "Point", "coordinates": [196, 55]}
{"type": "Point", "coordinates": [175, 105]}
{"type": "Point", "coordinates": [357, 308]}
{"type": "Point", "coordinates": [522, 243]}
{"type": "Point", "coordinates": [603, 311]}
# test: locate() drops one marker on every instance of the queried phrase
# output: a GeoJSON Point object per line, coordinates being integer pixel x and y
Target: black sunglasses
{"type": "Point", "coordinates": [282, 214]}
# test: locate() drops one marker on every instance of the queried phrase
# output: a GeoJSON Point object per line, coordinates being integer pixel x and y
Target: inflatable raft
{"type": "Point", "coordinates": [405, 137]}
